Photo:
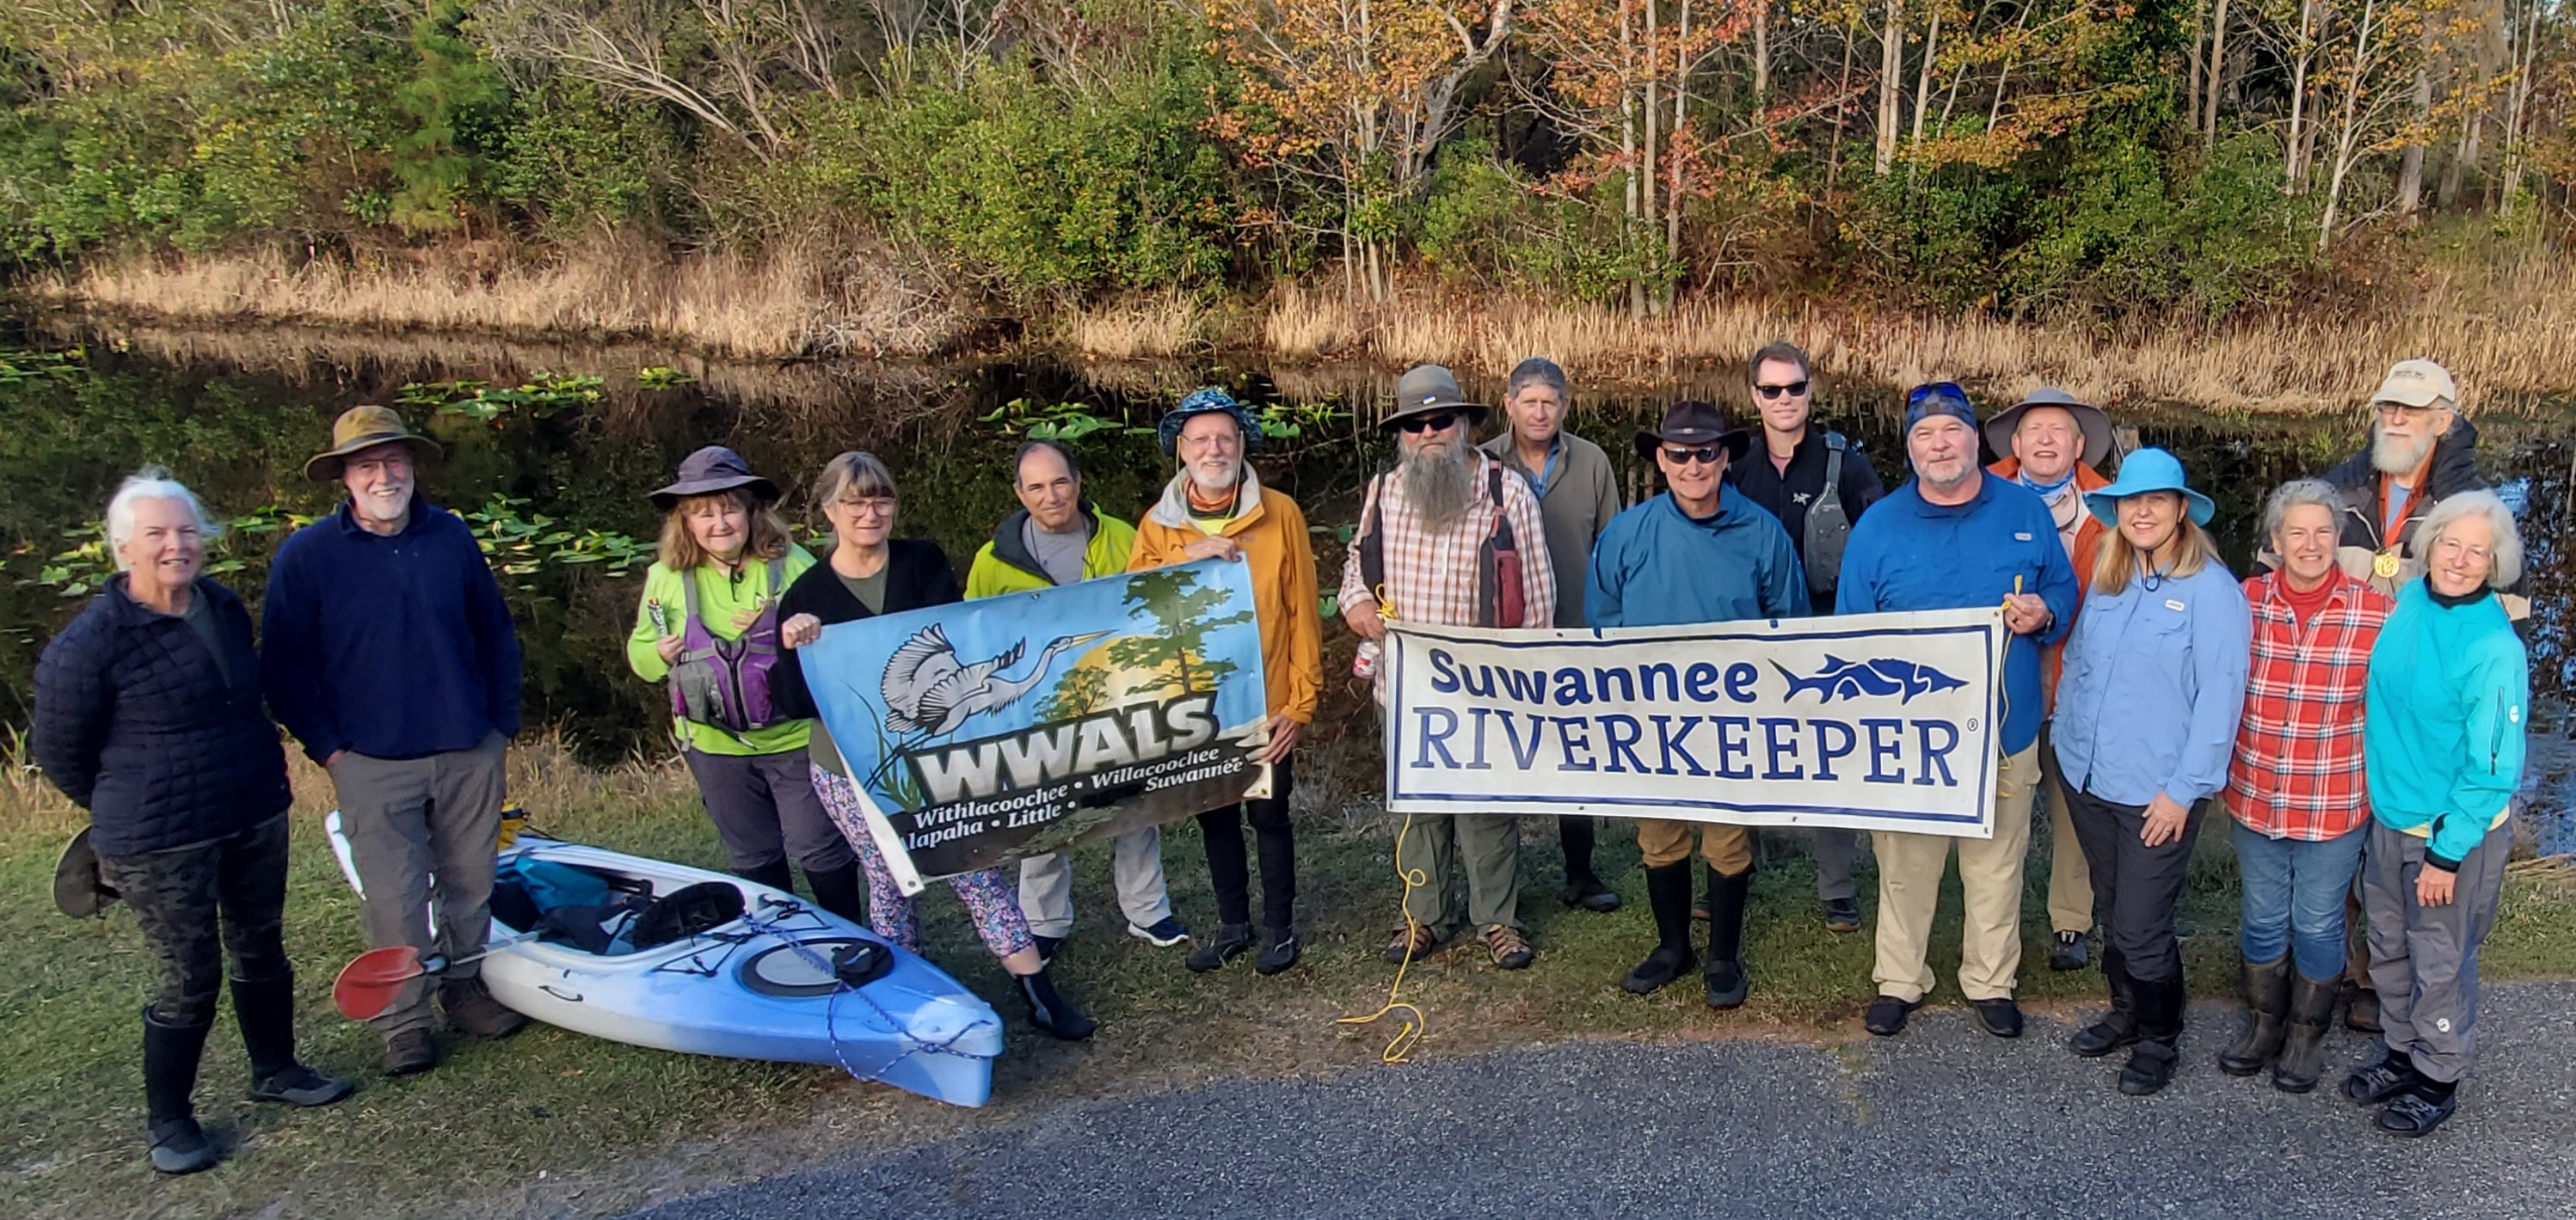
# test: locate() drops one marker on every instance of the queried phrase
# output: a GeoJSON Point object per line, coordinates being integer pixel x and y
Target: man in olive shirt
{"type": "Point", "coordinates": [1578, 493]}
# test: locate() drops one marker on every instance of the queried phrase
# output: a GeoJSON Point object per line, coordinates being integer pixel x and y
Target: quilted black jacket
{"type": "Point", "coordinates": [135, 722]}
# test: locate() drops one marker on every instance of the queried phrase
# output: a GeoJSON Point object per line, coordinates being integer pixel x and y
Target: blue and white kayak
{"type": "Point", "coordinates": [781, 981]}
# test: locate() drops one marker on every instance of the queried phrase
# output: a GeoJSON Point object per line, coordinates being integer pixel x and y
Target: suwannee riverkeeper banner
{"type": "Point", "coordinates": [1018, 725]}
{"type": "Point", "coordinates": [1872, 722]}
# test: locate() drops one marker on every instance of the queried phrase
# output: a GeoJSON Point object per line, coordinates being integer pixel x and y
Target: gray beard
{"type": "Point", "coordinates": [1439, 488]}
{"type": "Point", "coordinates": [2398, 457]}
{"type": "Point", "coordinates": [1232, 480]}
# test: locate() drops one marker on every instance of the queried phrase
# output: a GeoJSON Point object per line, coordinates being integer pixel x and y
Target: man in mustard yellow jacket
{"type": "Point", "coordinates": [1216, 508]}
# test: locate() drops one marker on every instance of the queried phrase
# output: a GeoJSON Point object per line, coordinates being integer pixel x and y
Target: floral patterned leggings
{"type": "Point", "coordinates": [988, 894]}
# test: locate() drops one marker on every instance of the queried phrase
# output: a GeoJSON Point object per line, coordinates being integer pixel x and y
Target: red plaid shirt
{"type": "Point", "coordinates": [2297, 772]}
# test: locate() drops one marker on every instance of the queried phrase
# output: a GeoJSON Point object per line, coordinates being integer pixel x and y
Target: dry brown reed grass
{"type": "Point", "coordinates": [2512, 332]}
{"type": "Point", "coordinates": [1156, 324]}
{"type": "Point", "coordinates": [794, 298]}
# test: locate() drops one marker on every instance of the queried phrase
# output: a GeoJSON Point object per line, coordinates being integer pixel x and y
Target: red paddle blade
{"type": "Point", "coordinates": [369, 984]}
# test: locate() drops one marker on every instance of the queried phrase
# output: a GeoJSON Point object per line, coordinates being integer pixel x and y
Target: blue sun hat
{"type": "Point", "coordinates": [2144, 471]}
{"type": "Point", "coordinates": [1201, 402]}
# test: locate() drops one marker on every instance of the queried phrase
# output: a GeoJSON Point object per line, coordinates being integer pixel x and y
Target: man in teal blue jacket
{"type": "Point", "coordinates": [1954, 538]}
{"type": "Point", "coordinates": [1695, 554]}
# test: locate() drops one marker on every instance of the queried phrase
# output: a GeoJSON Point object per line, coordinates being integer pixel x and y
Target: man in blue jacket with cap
{"type": "Point", "coordinates": [1956, 537]}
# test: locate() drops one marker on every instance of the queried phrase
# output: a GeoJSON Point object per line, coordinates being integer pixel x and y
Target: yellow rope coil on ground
{"type": "Point", "coordinates": [1407, 1032]}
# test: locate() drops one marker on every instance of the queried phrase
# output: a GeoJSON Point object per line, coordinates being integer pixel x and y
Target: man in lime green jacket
{"type": "Point", "coordinates": [1058, 538]}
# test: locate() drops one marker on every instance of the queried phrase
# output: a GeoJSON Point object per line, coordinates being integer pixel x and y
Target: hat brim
{"type": "Point", "coordinates": [325, 467]}
{"type": "Point", "coordinates": [2104, 503]}
{"type": "Point", "coordinates": [2091, 420]}
{"type": "Point", "coordinates": [668, 498]}
{"type": "Point", "coordinates": [78, 890]}
{"type": "Point", "coordinates": [2407, 395]}
{"type": "Point", "coordinates": [1475, 411]}
{"type": "Point", "coordinates": [1168, 429]}
{"type": "Point", "coordinates": [1738, 442]}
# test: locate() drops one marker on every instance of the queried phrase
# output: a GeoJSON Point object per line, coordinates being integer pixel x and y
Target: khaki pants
{"type": "Point", "coordinates": [2070, 883]}
{"type": "Point", "coordinates": [1488, 845]}
{"type": "Point", "coordinates": [1665, 841]}
{"type": "Point", "coordinates": [1909, 889]}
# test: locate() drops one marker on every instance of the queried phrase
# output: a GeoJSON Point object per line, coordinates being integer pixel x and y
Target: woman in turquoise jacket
{"type": "Point", "coordinates": [2442, 739]}
{"type": "Point", "coordinates": [2145, 727]}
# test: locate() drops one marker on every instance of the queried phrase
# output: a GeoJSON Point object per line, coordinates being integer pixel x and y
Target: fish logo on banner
{"type": "Point", "coordinates": [1853, 679]}
{"type": "Point", "coordinates": [1134, 710]}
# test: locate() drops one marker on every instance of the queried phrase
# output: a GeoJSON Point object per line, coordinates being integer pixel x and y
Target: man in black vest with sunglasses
{"type": "Point", "coordinates": [1817, 483]}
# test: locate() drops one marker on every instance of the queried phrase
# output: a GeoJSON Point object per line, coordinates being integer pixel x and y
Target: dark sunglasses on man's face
{"type": "Point", "coordinates": [1434, 423]}
{"type": "Point", "coordinates": [1705, 455]}
{"type": "Point", "coordinates": [1795, 389]}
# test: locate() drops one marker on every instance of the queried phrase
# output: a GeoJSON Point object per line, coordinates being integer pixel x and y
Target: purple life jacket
{"type": "Point", "coordinates": [725, 683]}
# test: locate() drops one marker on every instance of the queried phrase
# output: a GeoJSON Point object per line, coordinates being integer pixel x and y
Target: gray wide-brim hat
{"type": "Point", "coordinates": [2091, 420]}
{"type": "Point", "coordinates": [711, 470]}
{"type": "Point", "coordinates": [1428, 389]}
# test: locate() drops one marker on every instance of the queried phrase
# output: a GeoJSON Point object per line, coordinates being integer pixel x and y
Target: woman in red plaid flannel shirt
{"type": "Point", "coordinates": [2296, 787]}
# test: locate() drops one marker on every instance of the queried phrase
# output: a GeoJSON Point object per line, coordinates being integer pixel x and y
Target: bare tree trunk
{"type": "Point", "coordinates": [2217, 56]}
{"type": "Point", "coordinates": [2294, 147]}
{"type": "Point", "coordinates": [1762, 53]}
{"type": "Point", "coordinates": [1923, 80]}
{"type": "Point", "coordinates": [2447, 195]}
{"type": "Point", "coordinates": [2410, 162]}
{"type": "Point", "coordinates": [1654, 108]}
{"type": "Point", "coordinates": [2199, 40]}
{"type": "Point", "coordinates": [1891, 77]}
{"type": "Point", "coordinates": [1681, 113]}
{"type": "Point", "coordinates": [2348, 141]}
{"type": "Point", "coordinates": [1628, 152]}
{"type": "Point", "coordinates": [1842, 106]}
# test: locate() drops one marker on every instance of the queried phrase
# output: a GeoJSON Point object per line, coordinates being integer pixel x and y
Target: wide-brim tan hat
{"type": "Point", "coordinates": [365, 428]}
{"type": "Point", "coordinates": [2090, 420]}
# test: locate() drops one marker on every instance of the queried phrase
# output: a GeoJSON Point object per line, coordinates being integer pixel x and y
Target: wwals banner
{"type": "Point", "coordinates": [1873, 722]}
{"type": "Point", "coordinates": [1019, 725]}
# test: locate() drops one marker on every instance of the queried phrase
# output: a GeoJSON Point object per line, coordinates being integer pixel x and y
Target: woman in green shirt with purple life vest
{"type": "Point", "coordinates": [708, 626]}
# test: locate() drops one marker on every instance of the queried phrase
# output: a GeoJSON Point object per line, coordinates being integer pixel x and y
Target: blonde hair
{"type": "Point", "coordinates": [679, 550]}
{"type": "Point", "coordinates": [2118, 560]}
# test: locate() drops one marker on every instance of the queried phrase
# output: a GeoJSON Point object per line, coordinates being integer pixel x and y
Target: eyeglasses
{"type": "Point", "coordinates": [879, 506]}
{"type": "Point", "coordinates": [2453, 546]}
{"type": "Point", "coordinates": [1413, 425]}
{"type": "Point", "coordinates": [1705, 455]}
{"type": "Point", "coordinates": [1795, 389]}
{"type": "Point", "coordinates": [2399, 410]}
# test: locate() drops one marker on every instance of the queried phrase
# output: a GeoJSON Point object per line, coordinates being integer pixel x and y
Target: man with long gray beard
{"type": "Point", "coordinates": [1216, 508]}
{"type": "Point", "coordinates": [1440, 538]}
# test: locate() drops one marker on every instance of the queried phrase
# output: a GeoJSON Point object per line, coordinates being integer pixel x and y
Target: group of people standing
{"type": "Point", "coordinates": [2357, 706]}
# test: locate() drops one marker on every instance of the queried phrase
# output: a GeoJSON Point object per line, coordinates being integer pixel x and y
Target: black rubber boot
{"type": "Point", "coordinates": [838, 891]}
{"type": "Point", "coordinates": [2151, 1064]}
{"type": "Point", "coordinates": [2267, 1009]}
{"type": "Point", "coordinates": [1230, 942]}
{"type": "Point", "coordinates": [266, 1010]}
{"type": "Point", "coordinates": [170, 1055]}
{"type": "Point", "coordinates": [1727, 984]}
{"type": "Point", "coordinates": [1051, 1012]}
{"type": "Point", "coordinates": [1668, 895]}
{"type": "Point", "coordinates": [2302, 1059]}
{"type": "Point", "coordinates": [779, 876]}
{"type": "Point", "coordinates": [2118, 1027]}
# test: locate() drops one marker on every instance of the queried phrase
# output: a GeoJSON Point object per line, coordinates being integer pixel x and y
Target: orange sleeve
{"type": "Point", "coordinates": [1303, 628]}
{"type": "Point", "coordinates": [1153, 547]}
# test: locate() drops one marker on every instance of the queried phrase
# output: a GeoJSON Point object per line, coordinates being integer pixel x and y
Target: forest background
{"type": "Point", "coordinates": [785, 177]}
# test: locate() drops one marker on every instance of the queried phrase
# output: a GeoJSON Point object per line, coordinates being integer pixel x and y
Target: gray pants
{"type": "Point", "coordinates": [766, 812]}
{"type": "Point", "coordinates": [2424, 960]}
{"type": "Point", "coordinates": [1834, 851]}
{"type": "Point", "coordinates": [422, 832]}
{"type": "Point", "coordinates": [1136, 864]}
{"type": "Point", "coordinates": [1488, 845]}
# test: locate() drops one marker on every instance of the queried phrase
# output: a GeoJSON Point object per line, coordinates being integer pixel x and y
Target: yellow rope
{"type": "Point", "coordinates": [1409, 1032]}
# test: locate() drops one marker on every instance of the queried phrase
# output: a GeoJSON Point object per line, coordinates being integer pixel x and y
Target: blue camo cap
{"type": "Point", "coordinates": [1201, 402]}
{"type": "Point", "coordinates": [1938, 398]}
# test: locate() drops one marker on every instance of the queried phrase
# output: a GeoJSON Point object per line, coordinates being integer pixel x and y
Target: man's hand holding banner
{"type": "Point", "coordinates": [1873, 722]}
{"type": "Point", "coordinates": [1018, 725]}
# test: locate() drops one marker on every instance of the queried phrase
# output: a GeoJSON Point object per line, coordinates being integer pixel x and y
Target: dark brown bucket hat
{"type": "Point", "coordinates": [711, 470]}
{"type": "Point", "coordinates": [364, 428]}
{"type": "Point", "coordinates": [2090, 420]}
{"type": "Point", "coordinates": [1428, 389]}
{"type": "Point", "coordinates": [1694, 423]}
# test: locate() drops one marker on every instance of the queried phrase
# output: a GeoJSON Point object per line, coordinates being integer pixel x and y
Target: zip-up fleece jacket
{"type": "Point", "coordinates": [1656, 566]}
{"type": "Point", "coordinates": [1271, 529]}
{"type": "Point", "coordinates": [1004, 565]}
{"type": "Point", "coordinates": [2442, 721]}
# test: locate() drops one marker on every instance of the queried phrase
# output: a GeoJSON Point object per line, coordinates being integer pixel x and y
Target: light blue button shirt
{"type": "Point", "coordinates": [2154, 688]}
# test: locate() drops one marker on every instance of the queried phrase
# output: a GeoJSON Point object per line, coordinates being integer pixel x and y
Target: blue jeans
{"type": "Point", "coordinates": [2293, 898]}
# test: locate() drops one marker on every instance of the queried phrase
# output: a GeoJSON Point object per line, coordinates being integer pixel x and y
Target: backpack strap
{"type": "Point", "coordinates": [1371, 544]}
{"type": "Point", "coordinates": [1835, 445]}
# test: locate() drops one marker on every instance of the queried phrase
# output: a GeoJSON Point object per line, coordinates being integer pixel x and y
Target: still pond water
{"type": "Point", "coordinates": [235, 415]}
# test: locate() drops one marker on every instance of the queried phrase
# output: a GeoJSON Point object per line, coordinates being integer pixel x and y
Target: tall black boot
{"type": "Point", "coordinates": [2302, 1058]}
{"type": "Point", "coordinates": [266, 1010]}
{"type": "Point", "coordinates": [170, 1055]}
{"type": "Point", "coordinates": [2151, 1064]}
{"type": "Point", "coordinates": [837, 891]}
{"type": "Point", "coordinates": [778, 876]}
{"type": "Point", "coordinates": [2118, 1027]}
{"type": "Point", "coordinates": [1583, 888]}
{"type": "Point", "coordinates": [2267, 1007]}
{"type": "Point", "coordinates": [1727, 984]}
{"type": "Point", "coordinates": [1050, 1011]}
{"type": "Point", "coordinates": [1668, 895]}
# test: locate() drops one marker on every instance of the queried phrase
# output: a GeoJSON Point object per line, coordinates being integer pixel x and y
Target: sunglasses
{"type": "Point", "coordinates": [1414, 425]}
{"type": "Point", "coordinates": [1705, 455]}
{"type": "Point", "coordinates": [1938, 389]}
{"type": "Point", "coordinates": [1795, 389]}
